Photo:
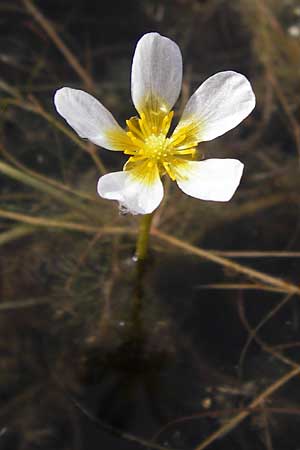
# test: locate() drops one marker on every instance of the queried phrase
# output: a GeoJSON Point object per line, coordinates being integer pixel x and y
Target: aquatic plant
{"type": "Point", "coordinates": [67, 279]}
{"type": "Point", "coordinates": [216, 107]}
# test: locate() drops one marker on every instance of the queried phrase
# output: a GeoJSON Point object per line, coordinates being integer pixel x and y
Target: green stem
{"type": "Point", "coordinates": [143, 237]}
{"type": "Point", "coordinates": [141, 257]}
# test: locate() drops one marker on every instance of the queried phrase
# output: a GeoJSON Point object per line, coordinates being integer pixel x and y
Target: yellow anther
{"type": "Point", "coordinates": [151, 149]}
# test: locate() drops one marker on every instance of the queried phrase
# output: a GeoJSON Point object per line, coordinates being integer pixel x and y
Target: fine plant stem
{"type": "Point", "coordinates": [226, 262]}
{"type": "Point", "coordinates": [143, 237]}
{"type": "Point", "coordinates": [45, 179]}
{"type": "Point", "coordinates": [36, 108]}
{"type": "Point", "coordinates": [16, 232]}
{"type": "Point", "coordinates": [63, 225]}
{"type": "Point", "coordinates": [50, 30]}
{"type": "Point", "coordinates": [62, 197]}
{"type": "Point", "coordinates": [234, 421]}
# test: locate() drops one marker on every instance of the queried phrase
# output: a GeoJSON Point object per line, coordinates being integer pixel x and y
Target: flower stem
{"type": "Point", "coordinates": [143, 237]}
{"type": "Point", "coordinates": [141, 255]}
{"type": "Point", "coordinates": [141, 258]}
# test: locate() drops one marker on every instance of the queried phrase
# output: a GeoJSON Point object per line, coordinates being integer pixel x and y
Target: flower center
{"type": "Point", "coordinates": [150, 147]}
{"type": "Point", "coordinates": [152, 150]}
{"type": "Point", "coordinates": [156, 147]}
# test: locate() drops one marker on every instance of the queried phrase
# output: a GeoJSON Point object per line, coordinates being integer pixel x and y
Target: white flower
{"type": "Point", "coordinates": [216, 107]}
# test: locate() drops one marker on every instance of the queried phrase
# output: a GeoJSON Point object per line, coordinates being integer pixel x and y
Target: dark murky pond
{"type": "Point", "coordinates": [93, 352]}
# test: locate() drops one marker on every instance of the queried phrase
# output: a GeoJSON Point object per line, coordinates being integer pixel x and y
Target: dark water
{"type": "Point", "coordinates": [91, 357]}
{"type": "Point", "coordinates": [85, 367]}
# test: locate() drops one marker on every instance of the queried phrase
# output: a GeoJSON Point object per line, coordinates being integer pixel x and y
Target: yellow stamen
{"type": "Point", "coordinates": [152, 152]}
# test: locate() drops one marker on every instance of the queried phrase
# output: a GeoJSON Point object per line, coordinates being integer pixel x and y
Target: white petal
{"type": "Point", "coordinates": [87, 116]}
{"type": "Point", "coordinates": [156, 73]}
{"type": "Point", "coordinates": [212, 179]}
{"type": "Point", "coordinates": [219, 105]}
{"type": "Point", "coordinates": [134, 195]}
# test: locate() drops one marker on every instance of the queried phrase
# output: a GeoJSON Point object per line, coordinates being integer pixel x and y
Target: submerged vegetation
{"type": "Point", "coordinates": [202, 350]}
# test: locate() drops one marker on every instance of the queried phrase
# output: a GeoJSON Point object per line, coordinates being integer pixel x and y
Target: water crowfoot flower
{"type": "Point", "coordinates": [217, 106]}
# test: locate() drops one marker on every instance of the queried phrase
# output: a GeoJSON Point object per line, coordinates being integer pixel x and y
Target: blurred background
{"type": "Point", "coordinates": [214, 345]}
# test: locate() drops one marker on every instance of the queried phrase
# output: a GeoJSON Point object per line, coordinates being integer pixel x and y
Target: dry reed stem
{"type": "Point", "coordinates": [46, 179]}
{"type": "Point", "coordinates": [240, 286]}
{"type": "Point", "coordinates": [273, 47]}
{"type": "Point", "coordinates": [66, 199]}
{"type": "Point", "coordinates": [232, 423]}
{"type": "Point", "coordinates": [92, 150]}
{"type": "Point", "coordinates": [37, 108]}
{"type": "Point", "coordinates": [257, 254]}
{"type": "Point", "coordinates": [17, 232]}
{"type": "Point", "coordinates": [49, 29]}
{"type": "Point", "coordinates": [265, 347]}
{"type": "Point", "coordinates": [225, 412]}
{"type": "Point", "coordinates": [20, 304]}
{"type": "Point", "coordinates": [225, 262]}
{"type": "Point", "coordinates": [72, 226]}
{"type": "Point", "coordinates": [217, 413]}
{"type": "Point", "coordinates": [253, 331]}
